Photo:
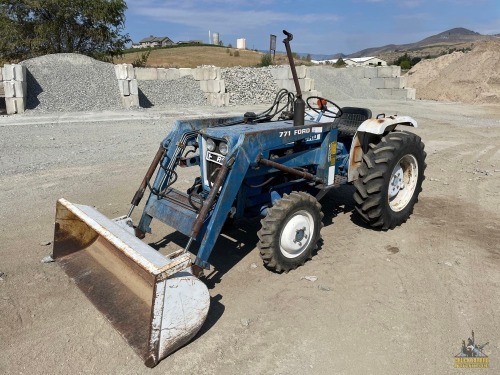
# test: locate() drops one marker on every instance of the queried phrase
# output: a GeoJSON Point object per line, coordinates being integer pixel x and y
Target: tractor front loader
{"type": "Point", "coordinates": [274, 165]}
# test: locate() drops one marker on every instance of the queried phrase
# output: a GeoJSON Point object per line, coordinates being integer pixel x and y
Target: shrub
{"type": "Point", "coordinates": [141, 61]}
{"type": "Point", "coordinates": [266, 60]}
{"type": "Point", "coordinates": [340, 63]}
{"type": "Point", "coordinates": [236, 53]}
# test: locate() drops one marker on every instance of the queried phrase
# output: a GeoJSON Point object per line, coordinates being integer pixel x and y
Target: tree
{"type": "Point", "coordinates": [340, 63]}
{"type": "Point", "coordinates": [39, 27]}
{"type": "Point", "coordinates": [266, 60]}
{"type": "Point", "coordinates": [405, 62]}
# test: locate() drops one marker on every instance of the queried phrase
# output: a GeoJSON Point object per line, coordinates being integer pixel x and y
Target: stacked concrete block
{"type": "Point", "coordinates": [127, 84]}
{"type": "Point", "coordinates": [392, 71]}
{"type": "Point", "coordinates": [387, 79]}
{"type": "Point", "coordinates": [284, 79]}
{"type": "Point", "coordinates": [218, 99]}
{"type": "Point", "coordinates": [388, 83]}
{"type": "Point", "coordinates": [146, 74]}
{"type": "Point", "coordinates": [15, 87]}
{"type": "Point", "coordinates": [206, 73]}
{"type": "Point", "coordinates": [169, 74]}
{"type": "Point", "coordinates": [183, 72]}
{"type": "Point", "coordinates": [212, 85]}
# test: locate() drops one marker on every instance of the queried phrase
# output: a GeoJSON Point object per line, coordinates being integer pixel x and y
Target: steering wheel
{"type": "Point", "coordinates": [321, 107]}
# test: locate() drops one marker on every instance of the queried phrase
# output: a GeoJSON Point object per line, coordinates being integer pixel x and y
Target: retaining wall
{"type": "Point", "coordinates": [387, 79]}
{"type": "Point", "coordinates": [209, 78]}
{"type": "Point", "coordinates": [15, 87]}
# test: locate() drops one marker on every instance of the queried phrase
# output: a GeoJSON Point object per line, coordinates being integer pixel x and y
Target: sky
{"type": "Point", "coordinates": [318, 26]}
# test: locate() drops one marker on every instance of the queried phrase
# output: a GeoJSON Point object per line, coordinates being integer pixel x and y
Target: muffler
{"type": "Point", "coordinates": [152, 300]}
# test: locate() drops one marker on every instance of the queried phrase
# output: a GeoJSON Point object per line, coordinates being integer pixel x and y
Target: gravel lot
{"type": "Point", "coordinates": [396, 302]}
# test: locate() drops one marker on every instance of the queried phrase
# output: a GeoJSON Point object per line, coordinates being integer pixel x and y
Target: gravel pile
{"type": "Point", "coordinates": [184, 91]}
{"type": "Point", "coordinates": [70, 82]}
{"type": "Point", "coordinates": [249, 85]}
{"type": "Point", "coordinates": [338, 84]}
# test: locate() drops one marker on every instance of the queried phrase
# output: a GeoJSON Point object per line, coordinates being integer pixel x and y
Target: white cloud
{"type": "Point", "coordinates": [225, 20]}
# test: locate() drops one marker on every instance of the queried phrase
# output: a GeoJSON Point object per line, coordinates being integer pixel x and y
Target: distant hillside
{"type": "Point", "coordinates": [446, 39]}
{"type": "Point", "coordinates": [193, 56]}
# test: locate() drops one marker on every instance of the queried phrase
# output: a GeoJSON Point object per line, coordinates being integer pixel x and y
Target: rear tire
{"type": "Point", "coordinates": [290, 231]}
{"type": "Point", "coordinates": [390, 180]}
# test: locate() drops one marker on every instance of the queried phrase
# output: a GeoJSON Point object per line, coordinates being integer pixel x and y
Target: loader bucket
{"type": "Point", "coordinates": [152, 300]}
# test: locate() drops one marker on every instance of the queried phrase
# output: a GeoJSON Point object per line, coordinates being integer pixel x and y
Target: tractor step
{"type": "Point", "coordinates": [175, 209]}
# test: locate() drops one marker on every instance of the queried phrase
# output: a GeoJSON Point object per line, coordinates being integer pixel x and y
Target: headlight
{"type": "Point", "coordinates": [210, 144]}
{"type": "Point", "coordinates": [223, 148]}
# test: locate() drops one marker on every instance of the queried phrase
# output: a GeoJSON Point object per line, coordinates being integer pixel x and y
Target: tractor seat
{"type": "Point", "coordinates": [351, 118]}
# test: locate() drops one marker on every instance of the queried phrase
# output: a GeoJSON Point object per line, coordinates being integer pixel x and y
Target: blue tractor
{"type": "Point", "coordinates": [276, 165]}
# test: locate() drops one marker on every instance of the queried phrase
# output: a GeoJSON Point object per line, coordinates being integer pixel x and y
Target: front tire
{"type": "Point", "coordinates": [290, 231]}
{"type": "Point", "coordinates": [390, 180]}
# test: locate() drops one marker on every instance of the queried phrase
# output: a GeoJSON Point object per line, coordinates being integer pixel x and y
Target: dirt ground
{"type": "Point", "coordinates": [396, 302]}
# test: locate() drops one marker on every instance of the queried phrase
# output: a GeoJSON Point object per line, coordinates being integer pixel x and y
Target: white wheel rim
{"type": "Point", "coordinates": [297, 234]}
{"type": "Point", "coordinates": [403, 182]}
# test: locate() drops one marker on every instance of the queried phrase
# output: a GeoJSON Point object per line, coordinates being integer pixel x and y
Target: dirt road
{"type": "Point", "coordinates": [397, 302]}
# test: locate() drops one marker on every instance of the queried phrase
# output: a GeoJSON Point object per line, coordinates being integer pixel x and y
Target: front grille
{"type": "Point", "coordinates": [211, 167]}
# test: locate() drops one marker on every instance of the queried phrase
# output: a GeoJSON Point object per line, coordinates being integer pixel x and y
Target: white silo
{"type": "Point", "coordinates": [241, 43]}
{"type": "Point", "coordinates": [215, 38]}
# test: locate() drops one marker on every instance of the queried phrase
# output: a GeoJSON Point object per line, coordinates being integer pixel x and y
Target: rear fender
{"type": "Point", "coordinates": [371, 131]}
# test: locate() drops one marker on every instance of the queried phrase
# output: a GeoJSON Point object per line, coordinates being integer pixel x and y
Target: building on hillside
{"type": "Point", "coordinates": [365, 61]}
{"type": "Point", "coordinates": [154, 41]}
{"type": "Point", "coordinates": [354, 61]}
{"type": "Point", "coordinates": [190, 42]}
{"type": "Point", "coordinates": [323, 62]}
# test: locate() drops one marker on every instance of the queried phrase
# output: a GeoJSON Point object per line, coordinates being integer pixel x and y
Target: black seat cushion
{"type": "Point", "coordinates": [351, 118]}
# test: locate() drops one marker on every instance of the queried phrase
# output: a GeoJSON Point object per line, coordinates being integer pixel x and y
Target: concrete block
{"type": "Point", "coordinates": [162, 74]}
{"type": "Point", "coordinates": [20, 72]}
{"type": "Point", "coordinates": [217, 73]}
{"type": "Point", "coordinates": [15, 89]}
{"type": "Point", "coordinates": [213, 86]}
{"type": "Point", "coordinates": [411, 93]}
{"type": "Point", "coordinates": [199, 74]}
{"type": "Point", "coordinates": [121, 71]}
{"type": "Point", "coordinates": [131, 101]}
{"type": "Point", "coordinates": [133, 87]}
{"type": "Point", "coordinates": [173, 73]}
{"type": "Point", "coordinates": [391, 71]}
{"type": "Point", "coordinates": [204, 86]}
{"type": "Point", "coordinates": [395, 83]}
{"type": "Point", "coordinates": [370, 72]}
{"type": "Point", "coordinates": [146, 74]}
{"type": "Point", "coordinates": [8, 73]}
{"type": "Point", "coordinates": [21, 89]}
{"type": "Point", "coordinates": [130, 71]}
{"type": "Point", "coordinates": [286, 84]}
{"type": "Point", "coordinates": [280, 73]}
{"type": "Point", "coordinates": [378, 83]}
{"type": "Point", "coordinates": [399, 94]}
{"type": "Point", "coordinates": [10, 89]}
{"type": "Point", "coordinates": [217, 99]}
{"type": "Point", "coordinates": [15, 105]}
{"type": "Point", "coordinates": [124, 87]}
{"type": "Point", "coordinates": [185, 72]}
{"type": "Point", "coordinates": [301, 72]}
{"type": "Point", "coordinates": [308, 84]}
